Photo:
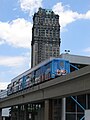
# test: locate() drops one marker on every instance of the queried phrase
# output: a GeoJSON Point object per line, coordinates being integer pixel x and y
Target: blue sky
{"type": "Point", "coordinates": [16, 32]}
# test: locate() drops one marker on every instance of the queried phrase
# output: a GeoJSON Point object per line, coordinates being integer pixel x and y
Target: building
{"type": "Point", "coordinates": [5, 114]}
{"type": "Point", "coordinates": [74, 107]}
{"type": "Point", "coordinates": [76, 59]}
{"type": "Point", "coordinates": [45, 36]}
{"type": "Point", "coordinates": [45, 44]}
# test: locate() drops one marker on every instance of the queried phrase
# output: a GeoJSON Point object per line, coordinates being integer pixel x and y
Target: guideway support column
{"type": "Point", "coordinates": [0, 114]}
{"type": "Point", "coordinates": [26, 112]}
{"type": "Point", "coordinates": [48, 110]}
{"type": "Point", "coordinates": [18, 113]}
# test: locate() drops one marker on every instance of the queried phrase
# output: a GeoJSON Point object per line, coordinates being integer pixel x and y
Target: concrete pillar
{"type": "Point", "coordinates": [40, 115]}
{"type": "Point", "coordinates": [3, 118]}
{"type": "Point", "coordinates": [26, 112]}
{"type": "Point", "coordinates": [87, 101]}
{"type": "Point", "coordinates": [22, 110]}
{"type": "Point", "coordinates": [47, 110]}
{"type": "Point", "coordinates": [13, 113]}
{"type": "Point", "coordinates": [18, 113]}
{"type": "Point", "coordinates": [0, 114]}
{"type": "Point", "coordinates": [63, 109]}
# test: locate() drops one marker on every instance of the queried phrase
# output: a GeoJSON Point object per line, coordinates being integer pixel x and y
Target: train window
{"type": "Point", "coordinates": [29, 76]}
{"type": "Point", "coordinates": [62, 64]}
{"type": "Point", "coordinates": [14, 83]}
{"type": "Point", "coordinates": [48, 66]}
{"type": "Point", "coordinates": [37, 72]}
{"type": "Point", "coordinates": [43, 70]}
{"type": "Point", "coordinates": [20, 80]}
{"type": "Point", "coordinates": [32, 74]}
{"type": "Point", "coordinates": [9, 86]}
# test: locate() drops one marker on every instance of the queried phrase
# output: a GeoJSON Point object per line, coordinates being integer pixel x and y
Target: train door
{"type": "Point", "coordinates": [37, 76]}
{"type": "Point", "coordinates": [9, 89]}
{"type": "Point", "coordinates": [24, 82]}
{"type": "Point", "coordinates": [27, 81]}
{"type": "Point", "coordinates": [20, 84]}
{"type": "Point", "coordinates": [48, 71]}
{"type": "Point", "coordinates": [42, 75]}
{"type": "Point", "coordinates": [32, 78]}
{"type": "Point", "coordinates": [15, 86]}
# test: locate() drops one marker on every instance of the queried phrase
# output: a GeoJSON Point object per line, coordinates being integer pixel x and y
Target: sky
{"type": "Point", "coordinates": [16, 32]}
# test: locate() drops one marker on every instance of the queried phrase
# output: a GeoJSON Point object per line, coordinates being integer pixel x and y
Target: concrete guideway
{"type": "Point", "coordinates": [75, 83]}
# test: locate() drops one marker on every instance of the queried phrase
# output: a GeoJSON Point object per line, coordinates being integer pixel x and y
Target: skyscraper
{"type": "Point", "coordinates": [45, 36]}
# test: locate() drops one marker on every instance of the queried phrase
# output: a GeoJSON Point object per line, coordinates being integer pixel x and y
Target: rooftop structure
{"type": "Point", "coordinates": [77, 59]}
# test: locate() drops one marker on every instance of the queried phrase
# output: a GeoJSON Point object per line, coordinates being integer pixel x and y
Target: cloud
{"type": "Point", "coordinates": [30, 6]}
{"type": "Point", "coordinates": [87, 49]}
{"type": "Point", "coordinates": [13, 66]}
{"type": "Point", "coordinates": [17, 33]}
{"type": "Point", "coordinates": [3, 85]}
{"type": "Point", "coordinates": [87, 15]}
{"type": "Point", "coordinates": [14, 9]}
{"type": "Point", "coordinates": [1, 42]}
{"type": "Point", "coordinates": [68, 16]}
{"type": "Point", "coordinates": [12, 61]}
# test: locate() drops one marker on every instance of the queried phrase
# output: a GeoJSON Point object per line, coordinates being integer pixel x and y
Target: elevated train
{"type": "Point", "coordinates": [43, 72]}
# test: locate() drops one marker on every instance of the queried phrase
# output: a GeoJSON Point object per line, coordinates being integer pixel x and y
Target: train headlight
{"type": "Point", "coordinates": [58, 72]}
{"type": "Point", "coordinates": [63, 71]}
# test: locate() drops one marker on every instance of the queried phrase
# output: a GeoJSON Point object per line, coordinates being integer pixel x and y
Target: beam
{"type": "Point", "coordinates": [75, 83]}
